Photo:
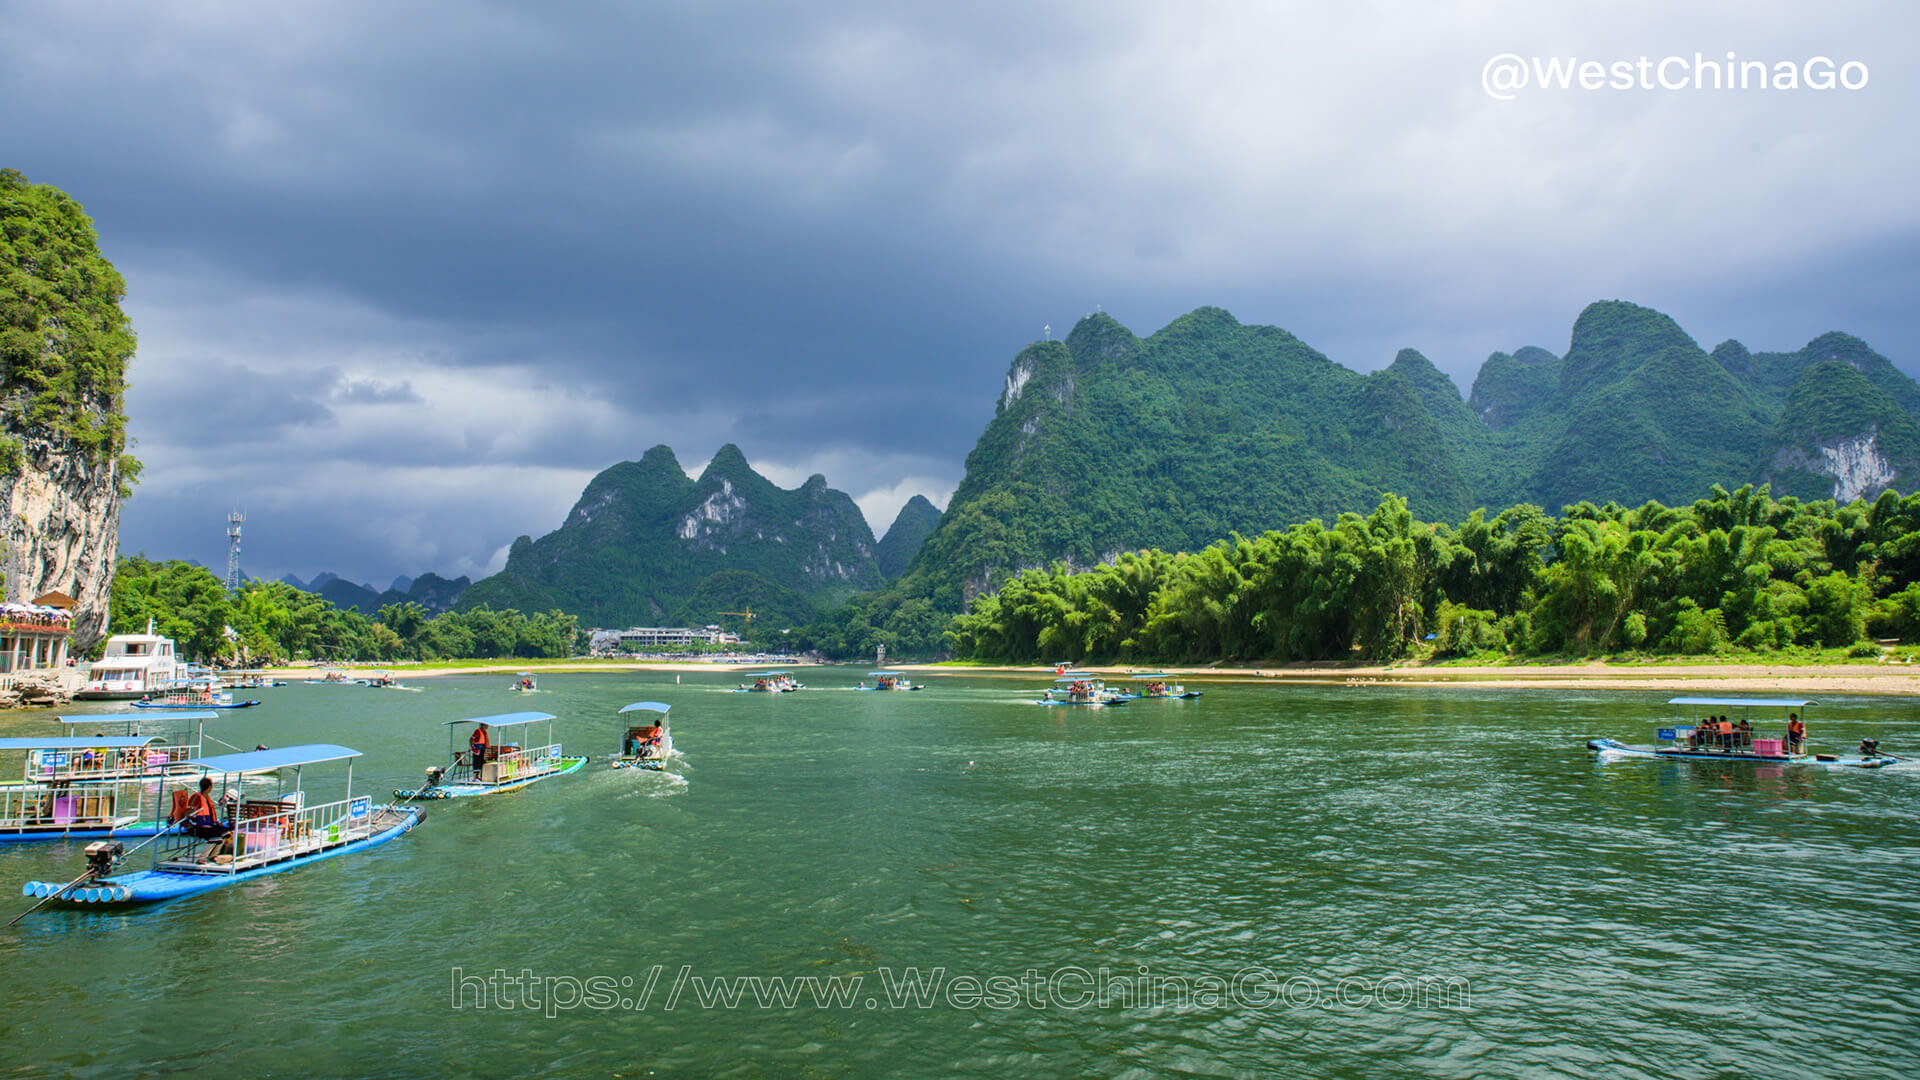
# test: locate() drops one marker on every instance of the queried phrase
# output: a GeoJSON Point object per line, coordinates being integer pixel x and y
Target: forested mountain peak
{"type": "Point", "coordinates": [910, 529]}
{"type": "Point", "coordinates": [646, 544]}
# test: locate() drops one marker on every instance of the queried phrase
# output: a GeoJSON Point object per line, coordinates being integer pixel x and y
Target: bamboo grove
{"type": "Point", "coordinates": [1734, 571]}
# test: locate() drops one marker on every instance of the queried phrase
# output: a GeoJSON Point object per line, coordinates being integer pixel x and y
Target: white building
{"type": "Point", "coordinates": [651, 638]}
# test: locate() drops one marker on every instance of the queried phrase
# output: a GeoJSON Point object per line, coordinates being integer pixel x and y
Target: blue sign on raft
{"type": "Point", "coordinates": [360, 807]}
{"type": "Point", "coordinates": [1666, 734]}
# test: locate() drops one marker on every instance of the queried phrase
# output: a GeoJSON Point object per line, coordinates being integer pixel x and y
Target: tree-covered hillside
{"type": "Point", "coordinates": [647, 545]}
{"type": "Point", "coordinates": [64, 342]}
{"type": "Point", "coordinates": [1107, 443]}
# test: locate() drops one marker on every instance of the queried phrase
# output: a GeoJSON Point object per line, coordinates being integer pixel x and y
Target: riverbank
{"type": "Point", "coordinates": [1808, 679]}
{"type": "Point", "coordinates": [405, 671]}
{"type": "Point", "coordinates": [1746, 678]}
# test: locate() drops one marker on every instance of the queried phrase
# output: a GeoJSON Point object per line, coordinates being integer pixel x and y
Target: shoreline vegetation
{"type": "Point", "coordinates": [1743, 676]}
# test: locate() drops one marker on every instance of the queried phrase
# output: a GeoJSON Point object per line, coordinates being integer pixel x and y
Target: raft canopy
{"type": "Point", "coordinates": [75, 742]}
{"type": "Point", "coordinates": [147, 717]}
{"type": "Point", "coordinates": [266, 760]}
{"type": "Point", "coordinates": [505, 719]}
{"type": "Point", "coordinates": [1151, 675]}
{"type": "Point", "coordinates": [1739, 703]}
{"type": "Point", "coordinates": [650, 706]}
{"type": "Point", "coordinates": [886, 673]}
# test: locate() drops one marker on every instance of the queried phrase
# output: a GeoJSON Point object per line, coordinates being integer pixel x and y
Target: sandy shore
{"type": "Point", "coordinates": [1703, 678]}
{"type": "Point", "coordinates": [1811, 679]}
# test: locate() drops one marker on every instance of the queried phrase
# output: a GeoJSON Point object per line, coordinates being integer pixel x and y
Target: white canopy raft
{"type": "Point", "coordinates": [769, 682]}
{"type": "Point", "coordinates": [498, 756]}
{"type": "Point", "coordinates": [648, 745]}
{"type": "Point", "coordinates": [1724, 729]}
{"type": "Point", "coordinates": [256, 836]}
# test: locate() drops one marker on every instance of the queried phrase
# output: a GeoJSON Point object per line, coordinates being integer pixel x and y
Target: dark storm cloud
{"type": "Point", "coordinates": [457, 257]}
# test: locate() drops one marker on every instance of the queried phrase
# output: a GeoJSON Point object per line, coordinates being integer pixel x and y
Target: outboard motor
{"type": "Point", "coordinates": [1869, 747]}
{"type": "Point", "coordinates": [434, 773]}
{"type": "Point", "coordinates": [102, 854]}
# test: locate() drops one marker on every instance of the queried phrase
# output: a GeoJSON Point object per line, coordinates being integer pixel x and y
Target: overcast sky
{"type": "Point", "coordinates": [405, 276]}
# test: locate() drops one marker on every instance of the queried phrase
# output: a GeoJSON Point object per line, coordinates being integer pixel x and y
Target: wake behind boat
{"type": "Point", "coordinates": [645, 746]}
{"type": "Point", "coordinates": [489, 767]}
{"type": "Point", "coordinates": [259, 836]}
{"type": "Point", "coordinates": [1714, 735]}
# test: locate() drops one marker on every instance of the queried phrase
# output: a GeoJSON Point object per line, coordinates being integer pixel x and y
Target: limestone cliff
{"type": "Point", "coordinates": [62, 531]}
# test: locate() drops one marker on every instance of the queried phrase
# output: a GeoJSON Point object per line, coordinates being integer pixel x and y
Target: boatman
{"type": "Point", "coordinates": [477, 746]}
{"type": "Point", "coordinates": [202, 817]}
{"type": "Point", "coordinates": [1796, 735]}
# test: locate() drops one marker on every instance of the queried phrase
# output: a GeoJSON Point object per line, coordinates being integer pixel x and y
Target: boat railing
{"type": "Point", "coordinates": [68, 766]}
{"type": "Point", "coordinates": [90, 802]}
{"type": "Point", "coordinates": [1703, 739]}
{"type": "Point", "coordinates": [268, 830]}
{"type": "Point", "coordinates": [511, 764]}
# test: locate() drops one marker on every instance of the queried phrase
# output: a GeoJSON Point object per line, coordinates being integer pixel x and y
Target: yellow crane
{"type": "Point", "coordinates": [747, 615]}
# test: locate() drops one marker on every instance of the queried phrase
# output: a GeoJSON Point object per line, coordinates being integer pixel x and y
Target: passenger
{"type": "Point", "coordinates": [1746, 734]}
{"type": "Point", "coordinates": [478, 745]}
{"type": "Point", "coordinates": [1796, 735]}
{"type": "Point", "coordinates": [202, 816]}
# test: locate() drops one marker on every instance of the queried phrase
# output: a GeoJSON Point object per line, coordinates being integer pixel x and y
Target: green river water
{"type": "Point", "coordinates": [1292, 881]}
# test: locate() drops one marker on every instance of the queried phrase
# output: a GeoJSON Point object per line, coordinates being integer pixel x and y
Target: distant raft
{"type": "Point", "coordinates": [645, 746]}
{"type": "Point", "coordinates": [491, 764]}
{"type": "Point", "coordinates": [1713, 735]}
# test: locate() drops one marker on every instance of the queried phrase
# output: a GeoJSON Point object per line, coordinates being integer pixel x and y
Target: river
{"type": "Point", "coordinates": [1313, 881]}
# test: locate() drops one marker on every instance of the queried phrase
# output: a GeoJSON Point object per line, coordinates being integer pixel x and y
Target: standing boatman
{"type": "Point", "coordinates": [478, 744]}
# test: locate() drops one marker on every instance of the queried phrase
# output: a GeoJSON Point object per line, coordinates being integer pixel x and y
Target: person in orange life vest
{"type": "Point", "coordinates": [202, 816]}
{"type": "Point", "coordinates": [478, 745]}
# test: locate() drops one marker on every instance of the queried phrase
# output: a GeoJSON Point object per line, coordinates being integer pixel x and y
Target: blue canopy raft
{"type": "Point", "coordinates": [639, 748]}
{"type": "Point", "coordinates": [1709, 735]}
{"type": "Point", "coordinates": [1160, 685]}
{"type": "Point", "coordinates": [889, 680]}
{"type": "Point", "coordinates": [104, 783]}
{"type": "Point", "coordinates": [1082, 688]}
{"type": "Point", "coordinates": [259, 836]}
{"type": "Point", "coordinates": [496, 765]}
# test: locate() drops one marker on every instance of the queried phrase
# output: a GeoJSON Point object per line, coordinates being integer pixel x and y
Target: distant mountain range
{"type": "Point", "coordinates": [431, 591]}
